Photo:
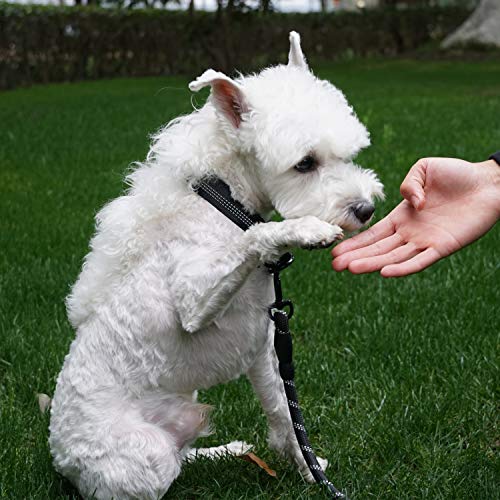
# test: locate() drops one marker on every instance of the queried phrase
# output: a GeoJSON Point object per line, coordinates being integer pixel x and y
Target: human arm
{"type": "Point", "coordinates": [448, 203]}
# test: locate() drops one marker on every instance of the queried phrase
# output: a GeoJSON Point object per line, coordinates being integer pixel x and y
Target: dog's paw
{"type": "Point", "coordinates": [270, 239]}
{"type": "Point", "coordinates": [306, 473]}
{"type": "Point", "coordinates": [310, 232]}
{"type": "Point", "coordinates": [308, 477]}
{"type": "Point", "coordinates": [238, 448]}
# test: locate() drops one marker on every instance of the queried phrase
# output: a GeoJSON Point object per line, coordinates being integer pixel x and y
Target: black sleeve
{"type": "Point", "coordinates": [496, 157]}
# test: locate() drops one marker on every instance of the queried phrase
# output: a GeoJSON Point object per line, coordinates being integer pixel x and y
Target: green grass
{"type": "Point", "coordinates": [397, 378]}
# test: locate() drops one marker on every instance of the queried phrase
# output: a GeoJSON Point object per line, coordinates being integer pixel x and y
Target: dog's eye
{"type": "Point", "coordinates": [307, 164]}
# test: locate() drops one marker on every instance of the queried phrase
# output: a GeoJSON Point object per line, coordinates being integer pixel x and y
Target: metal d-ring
{"type": "Point", "coordinates": [281, 307]}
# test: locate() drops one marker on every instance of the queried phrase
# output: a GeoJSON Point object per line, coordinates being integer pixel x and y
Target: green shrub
{"type": "Point", "coordinates": [47, 43]}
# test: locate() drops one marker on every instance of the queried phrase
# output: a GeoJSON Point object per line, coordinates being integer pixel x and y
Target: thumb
{"type": "Point", "coordinates": [412, 188]}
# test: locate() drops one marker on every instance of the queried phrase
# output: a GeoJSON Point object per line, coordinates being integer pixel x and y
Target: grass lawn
{"type": "Point", "coordinates": [397, 378]}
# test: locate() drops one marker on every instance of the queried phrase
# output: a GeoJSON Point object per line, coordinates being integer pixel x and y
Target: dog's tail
{"type": "Point", "coordinates": [44, 402]}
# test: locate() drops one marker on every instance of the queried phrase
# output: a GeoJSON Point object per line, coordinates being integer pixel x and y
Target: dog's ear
{"type": "Point", "coordinates": [295, 56]}
{"type": "Point", "coordinates": [227, 95]}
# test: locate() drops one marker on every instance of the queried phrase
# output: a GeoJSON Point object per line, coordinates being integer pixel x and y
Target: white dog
{"type": "Point", "coordinates": [173, 296]}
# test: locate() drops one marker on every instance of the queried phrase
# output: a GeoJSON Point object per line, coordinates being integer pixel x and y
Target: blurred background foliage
{"type": "Point", "coordinates": [40, 44]}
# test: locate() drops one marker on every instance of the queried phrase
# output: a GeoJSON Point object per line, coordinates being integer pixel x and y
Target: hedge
{"type": "Point", "coordinates": [48, 44]}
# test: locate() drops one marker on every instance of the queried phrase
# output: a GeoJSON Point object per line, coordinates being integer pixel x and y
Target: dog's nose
{"type": "Point", "coordinates": [363, 211]}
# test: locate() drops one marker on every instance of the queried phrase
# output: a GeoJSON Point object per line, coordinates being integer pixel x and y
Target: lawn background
{"type": "Point", "coordinates": [398, 378]}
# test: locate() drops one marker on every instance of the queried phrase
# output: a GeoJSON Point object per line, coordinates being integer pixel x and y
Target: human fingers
{"type": "Point", "coordinates": [378, 248]}
{"type": "Point", "coordinates": [371, 264]}
{"type": "Point", "coordinates": [379, 231]}
{"type": "Point", "coordinates": [414, 265]}
{"type": "Point", "coordinates": [412, 188]}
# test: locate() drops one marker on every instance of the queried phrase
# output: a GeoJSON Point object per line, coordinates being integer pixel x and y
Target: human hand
{"type": "Point", "coordinates": [448, 204]}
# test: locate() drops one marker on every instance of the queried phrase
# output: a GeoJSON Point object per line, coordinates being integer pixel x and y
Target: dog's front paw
{"type": "Point", "coordinates": [310, 232]}
{"type": "Point", "coordinates": [291, 450]}
{"type": "Point", "coordinates": [305, 472]}
{"type": "Point", "coordinates": [269, 240]}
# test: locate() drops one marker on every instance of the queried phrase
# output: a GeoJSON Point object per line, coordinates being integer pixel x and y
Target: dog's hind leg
{"type": "Point", "coordinates": [123, 457]}
{"type": "Point", "coordinates": [234, 449]}
{"type": "Point", "coordinates": [124, 448]}
{"type": "Point", "coordinates": [184, 419]}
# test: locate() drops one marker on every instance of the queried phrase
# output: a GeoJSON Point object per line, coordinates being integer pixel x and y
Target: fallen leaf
{"type": "Point", "coordinates": [254, 459]}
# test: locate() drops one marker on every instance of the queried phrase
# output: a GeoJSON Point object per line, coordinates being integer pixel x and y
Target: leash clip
{"type": "Point", "coordinates": [280, 304]}
{"type": "Point", "coordinates": [275, 306]}
{"type": "Point", "coordinates": [282, 263]}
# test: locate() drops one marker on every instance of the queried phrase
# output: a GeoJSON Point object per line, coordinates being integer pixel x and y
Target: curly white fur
{"type": "Point", "coordinates": [173, 297]}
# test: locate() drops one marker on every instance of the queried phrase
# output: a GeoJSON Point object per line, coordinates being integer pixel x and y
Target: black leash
{"type": "Point", "coordinates": [284, 351]}
{"type": "Point", "coordinates": [218, 194]}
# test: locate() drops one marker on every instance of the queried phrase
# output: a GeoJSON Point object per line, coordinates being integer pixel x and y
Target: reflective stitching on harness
{"type": "Point", "coordinates": [223, 201]}
{"type": "Point", "coordinates": [243, 217]}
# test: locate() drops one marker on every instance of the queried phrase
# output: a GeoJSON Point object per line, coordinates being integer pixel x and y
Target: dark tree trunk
{"type": "Point", "coordinates": [220, 7]}
{"type": "Point", "coordinates": [265, 5]}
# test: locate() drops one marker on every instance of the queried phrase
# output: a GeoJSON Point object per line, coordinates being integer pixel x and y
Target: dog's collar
{"type": "Point", "coordinates": [218, 194]}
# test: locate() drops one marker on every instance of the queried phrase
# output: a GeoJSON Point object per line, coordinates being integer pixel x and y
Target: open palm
{"type": "Point", "coordinates": [448, 204]}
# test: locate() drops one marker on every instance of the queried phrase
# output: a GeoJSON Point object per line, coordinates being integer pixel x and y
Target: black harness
{"type": "Point", "coordinates": [218, 194]}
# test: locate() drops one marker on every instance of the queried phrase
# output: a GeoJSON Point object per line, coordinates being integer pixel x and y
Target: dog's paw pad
{"type": "Point", "coordinates": [238, 448]}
